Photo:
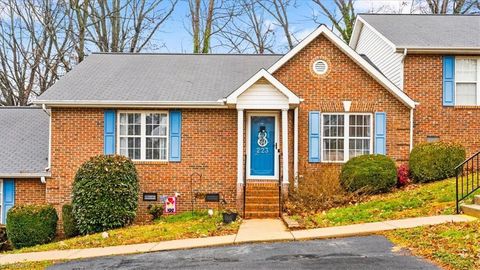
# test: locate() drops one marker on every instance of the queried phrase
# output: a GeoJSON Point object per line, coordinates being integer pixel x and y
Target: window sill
{"type": "Point", "coordinates": [467, 107]}
{"type": "Point", "coordinates": [148, 162]}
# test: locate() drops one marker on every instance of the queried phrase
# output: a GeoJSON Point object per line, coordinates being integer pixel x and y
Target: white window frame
{"type": "Point", "coordinates": [143, 136]}
{"type": "Point", "coordinates": [346, 136]}
{"type": "Point", "coordinates": [478, 79]}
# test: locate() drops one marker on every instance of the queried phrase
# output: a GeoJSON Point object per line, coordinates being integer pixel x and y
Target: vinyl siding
{"type": "Point", "coordinates": [262, 96]}
{"type": "Point", "coordinates": [382, 55]}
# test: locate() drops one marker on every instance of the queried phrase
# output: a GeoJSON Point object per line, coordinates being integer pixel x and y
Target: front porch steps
{"type": "Point", "coordinates": [262, 200]}
{"type": "Point", "coordinates": [472, 209]}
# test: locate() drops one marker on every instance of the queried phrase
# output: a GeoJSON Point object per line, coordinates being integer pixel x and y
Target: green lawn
{"type": "Point", "coordinates": [27, 266]}
{"type": "Point", "coordinates": [186, 225]}
{"type": "Point", "coordinates": [452, 245]}
{"type": "Point", "coordinates": [413, 201]}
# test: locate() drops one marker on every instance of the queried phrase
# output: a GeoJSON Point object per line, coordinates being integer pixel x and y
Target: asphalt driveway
{"type": "Point", "coordinates": [370, 252]}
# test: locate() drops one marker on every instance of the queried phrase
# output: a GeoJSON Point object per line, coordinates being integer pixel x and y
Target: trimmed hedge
{"type": "Point", "coordinates": [105, 194]}
{"type": "Point", "coordinates": [69, 223]}
{"type": "Point", "coordinates": [369, 174]}
{"type": "Point", "coordinates": [435, 161]}
{"type": "Point", "coordinates": [30, 225]}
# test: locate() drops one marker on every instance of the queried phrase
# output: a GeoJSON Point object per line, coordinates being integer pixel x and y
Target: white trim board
{"type": "Point", "coordinates": [277, 143]}
{"type": "Point", "coordinates": [367, 67]}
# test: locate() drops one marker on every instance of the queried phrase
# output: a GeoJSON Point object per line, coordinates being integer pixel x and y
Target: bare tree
{"type": "Point", "coordinates": [278, 9]}
{"type": "Point", "coordinates": [249, 31]}
{"type": "Point", "coordinates": [35, 48]}
{"type": "Point", "coordinates": [342, 15]}
{"type": "Point", "coordinates": [449, 6]}
{"type": "Point", "coordinates": [118, 26]}
{"type": "Point", "coordinates": [209, 18]}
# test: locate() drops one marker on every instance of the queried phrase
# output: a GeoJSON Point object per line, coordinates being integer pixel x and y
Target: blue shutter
{"type": "Point", "coordinates": [380, 133]}
{"type": "Point", "coordinates": [8, 197]}
{"type": "Point", "coordinates": [314, 137]}
{"type": "Point", "coordinates": [175, 136]}
{"type": "Point", "coordinates": [109, 132]}
{"type": "Point", "coordinates": [448, 80]}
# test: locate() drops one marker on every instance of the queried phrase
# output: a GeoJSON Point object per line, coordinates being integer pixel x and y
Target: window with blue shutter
{"type": "Point", "coordinates": [380, 133]}
{"type": "Point", "coordinates": [175, 136]}
{"type": "Point", "coordinates": [448, 81]}
{"type": "Point", "coordinates": [109, 132]}
{"type": "Point", "coordinates": [314, 136]}
{"type": "Point", "coordinates": [8, 197]}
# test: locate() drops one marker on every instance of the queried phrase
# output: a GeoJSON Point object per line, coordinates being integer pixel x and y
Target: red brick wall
{"type": "Point", "coordinates": [29, 191]}
{"type": "Point", "coordinates": [344, 81]}
{"type": "Point", "coordinates": [423, 83]}
{"type": "Point", "coordinates": [209, 148]}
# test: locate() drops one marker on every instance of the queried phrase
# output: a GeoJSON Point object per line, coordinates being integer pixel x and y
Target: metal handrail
{"type": "Point", "coordinates": [471, 172]}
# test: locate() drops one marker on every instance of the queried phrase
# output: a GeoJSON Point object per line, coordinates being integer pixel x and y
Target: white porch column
{"type": "Point", "coordinates": [295, 146]}
{"type": "Point", "coordinates": [240, 146]}
{"type": "Point", "coordinates": [285, 145]}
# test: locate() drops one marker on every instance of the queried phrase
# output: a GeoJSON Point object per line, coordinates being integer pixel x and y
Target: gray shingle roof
{"type": "Point", "coordinates": [156, 77]}
{"type": "Point", "coordinates": [23, 141]}
{"type": "Point", "coordinates": [427, 31]}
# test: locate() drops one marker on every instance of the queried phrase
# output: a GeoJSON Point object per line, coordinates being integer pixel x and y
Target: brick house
{"type": "Point", "coordinates": [246, 127]}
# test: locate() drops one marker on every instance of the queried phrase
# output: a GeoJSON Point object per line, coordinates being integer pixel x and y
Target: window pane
{"type": "Point", "coordinates": [466, 70]}
{"type": "Point", "coordinates": [466, 94]}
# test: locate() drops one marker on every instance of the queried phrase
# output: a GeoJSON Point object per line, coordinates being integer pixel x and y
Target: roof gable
{"type": "Point", "coordinates": [292, 98]}
{"type": "Point", "coordinates": [416, 32]}
{"type": "Point", "coordinates": [360, 61]}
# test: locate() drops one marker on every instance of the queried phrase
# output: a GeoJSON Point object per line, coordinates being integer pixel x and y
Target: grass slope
{"type": "Point", "coordinates": [452, 245]}
{"type": "Point", "coordinates": [414, 201]}
{"type": "Point", "coordinates": [181, 226]}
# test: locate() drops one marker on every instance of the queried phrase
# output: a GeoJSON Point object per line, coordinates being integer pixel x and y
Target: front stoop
{"type": "Point", "coordinates": [472, 209]}
{"type": "Point", "coordinates": [262, 200]}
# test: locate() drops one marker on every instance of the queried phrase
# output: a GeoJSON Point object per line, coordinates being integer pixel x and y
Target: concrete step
{"type": "Point", "coordinates": [257, 188]}
{"type": "Point", "coordinates": [273, 214]}
{"type": "Point", "coordinates": [476, 199]}
{"type": "Point", "coordinates": [256, 207]}
{"type": "Point", "coordinates": [471, 210]}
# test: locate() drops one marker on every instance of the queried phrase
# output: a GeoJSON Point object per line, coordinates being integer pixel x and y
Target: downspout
{"type": "Point", "coordinates": [43, 179]}
{"type": "Point", "coordinates": [403, 67]}
{"type": "Point", "coordinates": [411, 129]}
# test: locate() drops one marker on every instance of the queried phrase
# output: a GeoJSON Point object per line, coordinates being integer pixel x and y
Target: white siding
{"type": "Point", "coordinates": [381, 54]}
{"type": "Point", "coordinates": [262, 96]}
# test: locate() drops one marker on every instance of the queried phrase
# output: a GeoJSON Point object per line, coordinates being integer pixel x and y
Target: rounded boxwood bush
{"type": "Point", "coordinates": [435, 161]}
{"type": "Point", "coordinates": [369, 174]}
{"type": "Point", "coordinates": [105, 194]}
{"type": "Point", "coordinates": [30, 225]}
{"type": "Point", "coordinates": [69, 223]}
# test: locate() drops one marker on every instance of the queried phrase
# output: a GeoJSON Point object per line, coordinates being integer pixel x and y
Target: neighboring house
{"type": "Point", "coordinates": [435, 60]}
{"type": "Point", "coordinates": [240, 125]}
{"type": "Point", "coordinates": [24, 156]}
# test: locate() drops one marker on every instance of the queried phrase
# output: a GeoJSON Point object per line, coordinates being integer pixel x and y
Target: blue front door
{"type": "Point", "coordinates": [262, 146]}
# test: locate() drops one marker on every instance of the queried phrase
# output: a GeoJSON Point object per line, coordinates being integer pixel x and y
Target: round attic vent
{"type": "Point", "coordinates": [320, 67]}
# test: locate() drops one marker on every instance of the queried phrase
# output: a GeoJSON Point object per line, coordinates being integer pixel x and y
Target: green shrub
{"type": "Point", "coordinates": [69, 223]}
{"type": "Point", "coordinates": [435, 161]}
{"type": "Point", "coordinates": [105, 194]}
{"type": "Point", "coordinates": [30, 225]}
{"type": "Point", "coordinates": [369, 174]}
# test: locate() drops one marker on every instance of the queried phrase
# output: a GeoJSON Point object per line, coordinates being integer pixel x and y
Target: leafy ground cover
{"type": "Point", "coordinates": [181, 226]}
{"type": "Point", "coordinates": [412, 201]}
{"type": "Point", "coordinates": [27, 265]}
{"type": "Point", "coordinates": [452, 245]}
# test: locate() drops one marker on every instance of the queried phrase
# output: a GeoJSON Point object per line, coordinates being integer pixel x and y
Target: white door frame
{"type": "Point", "coordinates": [276, 145]}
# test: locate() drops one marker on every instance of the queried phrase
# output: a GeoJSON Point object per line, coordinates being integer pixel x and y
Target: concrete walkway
{"type": "Point", "coordinates": [250, 231]}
